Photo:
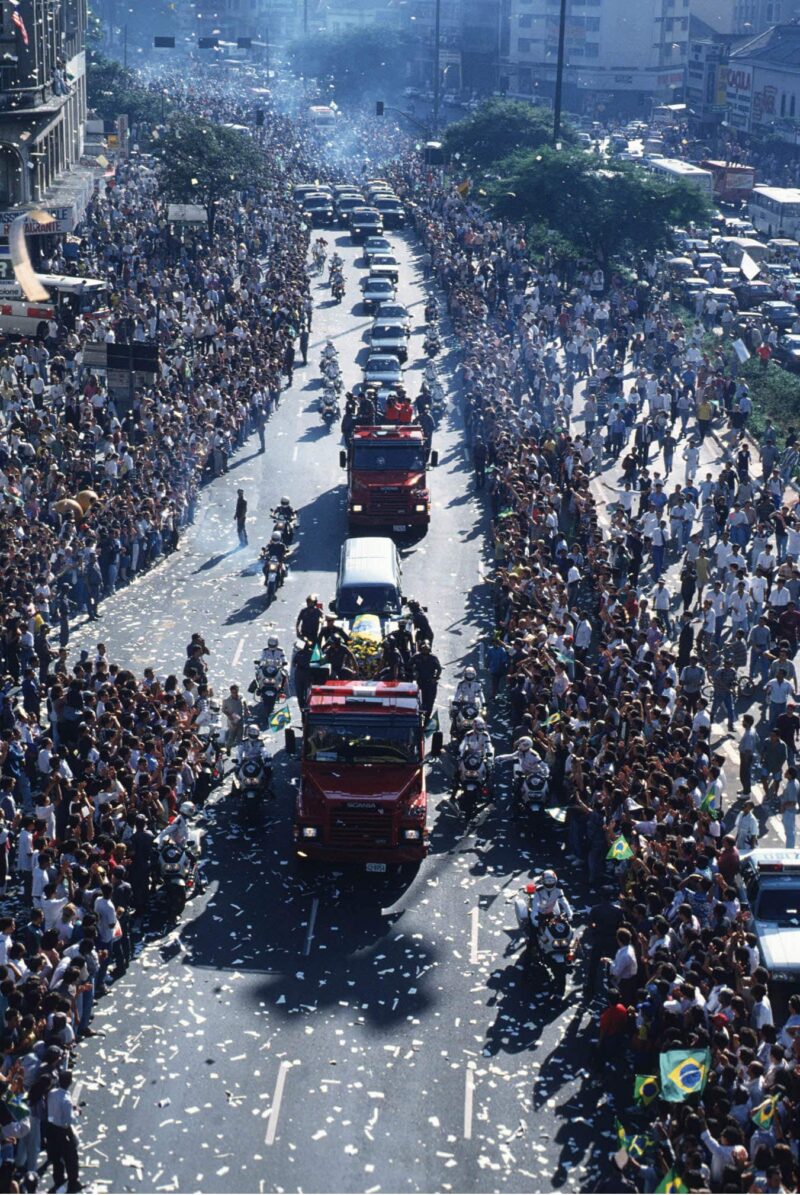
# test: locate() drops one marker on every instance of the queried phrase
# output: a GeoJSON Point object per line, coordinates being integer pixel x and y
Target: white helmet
{"type": "Point", "coordinates": [187, 809]}
{"type": "Point", "coordinates": [272, 641]}
{"type": "Point", "coordinates": [470, 673]}
{"type": "Point", "coordinates": [525, 744]}
{"type": "Point", "coordinates": [252, 731]}
{"type": "Point", "coordinates": [549, 879]}
{"type": "Point", "coordinates": [479, 724]}
{"type": "Point", "coordinates": [285, 502]}
{"type": "Point", "coordinates": [276, 537]}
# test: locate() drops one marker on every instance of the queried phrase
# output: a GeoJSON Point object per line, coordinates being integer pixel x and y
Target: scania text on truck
{"type": "Point", "coordinates": [362, 796]}
{"type": "Point", "coordinates": [386, 482]}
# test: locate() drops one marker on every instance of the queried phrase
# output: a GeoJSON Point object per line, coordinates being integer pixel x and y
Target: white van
{"type": "Point", "coordinates": [369, 580]}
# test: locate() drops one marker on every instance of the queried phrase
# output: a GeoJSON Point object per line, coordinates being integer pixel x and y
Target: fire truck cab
{"type": "Point", "coordinates": [386, 481]}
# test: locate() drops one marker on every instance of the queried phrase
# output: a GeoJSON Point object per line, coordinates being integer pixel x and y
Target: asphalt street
{"type": "Point", "coordinates": [339, 1033]}
{"type": "Point", "coordinates": [342, 1033]}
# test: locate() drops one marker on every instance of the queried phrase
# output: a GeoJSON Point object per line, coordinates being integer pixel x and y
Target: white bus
{"type": "Point", "coordinates": [776, 211]}
{"type": "Point", "coordinates": [69, 298]}
{"type": "Point", "coordinates": [679, 171]}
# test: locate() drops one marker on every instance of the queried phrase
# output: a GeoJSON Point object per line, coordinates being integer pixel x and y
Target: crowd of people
{"type": "Point", "coordinates": [95, 762]}
{"type": "Point", "coordinates": [618, 676]}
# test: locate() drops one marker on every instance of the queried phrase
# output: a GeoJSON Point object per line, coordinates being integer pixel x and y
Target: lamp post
{"type": "Point", "coordinates": [437, 20]}
{"type": "Point", "coordinates": [562, 30]}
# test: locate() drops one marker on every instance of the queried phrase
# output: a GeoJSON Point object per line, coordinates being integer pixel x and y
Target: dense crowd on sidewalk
{"type": "Point", "coordinates": [95, 762]}
{"type": "Point", "coordinates": [618, 676]}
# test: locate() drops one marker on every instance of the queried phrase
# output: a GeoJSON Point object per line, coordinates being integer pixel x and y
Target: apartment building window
{"type": "Point", "coordinates": [526, 20]}
{"type": "Point", "coordinates": [524, 45]}
{"type": "Point", "coordinates": [791, 105]}
{"type": "Point", "coordinates": [591, 49]}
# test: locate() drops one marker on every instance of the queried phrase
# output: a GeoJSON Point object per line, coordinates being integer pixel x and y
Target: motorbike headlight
{"type": "Point", "coordinates": [171, 867]}
{"type": "Point", "coordinates": [310, 832]}
{"type": "Point", "coordinates": [357, 508]}
{"type": "Point", "coordinates": [411, 835]}
{"type": "Point", "coordinates": [420, 507]}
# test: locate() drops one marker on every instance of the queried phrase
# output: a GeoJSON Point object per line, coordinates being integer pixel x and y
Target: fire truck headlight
{"type": "Point", "coordinates": [357, 509]}
{"type": "Point", "coordinates": [310, 831]}
{"type": "Point", "coordinates": [411, 835]}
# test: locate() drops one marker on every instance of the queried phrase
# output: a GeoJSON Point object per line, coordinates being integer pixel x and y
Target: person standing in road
{"type": "Point", "coordinates": [789, 799]}
{"type": "Point", "coordinates": [60, 1138]}
{"type": "Point", "coordinates": [479, 456]}
{"type": "Point", "coordinates": [748, 744]}
{"type": "Point", "coordinates": [241, 518]}
{"type": "Point", "coordinates": [235, 711]}
{"type": "Point", "coordinates": [288, 362]}
{"type": "Point", "coordinates": [304, 344]}
{"type": "Point", "coordinates": [426, 671]}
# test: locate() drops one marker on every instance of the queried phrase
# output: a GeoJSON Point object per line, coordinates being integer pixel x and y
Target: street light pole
{"type": "Point", "coordinates": [437, 20]}
{"type": "Point", "coordinates": [562, 31]}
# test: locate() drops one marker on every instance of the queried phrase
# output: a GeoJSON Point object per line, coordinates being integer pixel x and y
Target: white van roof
{"type": "Point", "coordinates": [369, 560]}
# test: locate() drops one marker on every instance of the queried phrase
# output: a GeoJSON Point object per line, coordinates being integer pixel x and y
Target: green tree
{"type": "Point", "coordinates": [499, 128]}
{"type": "Point", "coordinates": [113, 90]}
{"type": "Point", "coordinates": [369, 59]}
{"type": "Point", "coordinates": [203, 163]}
{"type": "Point", "coordinates": [607, 211]}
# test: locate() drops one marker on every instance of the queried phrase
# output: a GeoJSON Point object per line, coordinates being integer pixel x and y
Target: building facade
{"type": "Point", "coordinates": [763, 84]}
{"type": "Point", "coordinates": [618, 56]}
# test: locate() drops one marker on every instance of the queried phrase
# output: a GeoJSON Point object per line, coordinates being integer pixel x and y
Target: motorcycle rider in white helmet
{"type": "Point", "coordinates": [548, 900]}
{"type": "Point", "coordinates": [272, 654]}
{"type": "Point", "coordinates": [251, 746]}
{"type": "Point", "coordinates": [469, 690]}
{"type": "Point", "coordinates": [477, 742]}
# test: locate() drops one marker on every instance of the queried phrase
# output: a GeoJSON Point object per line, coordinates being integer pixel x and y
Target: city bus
{"type": "Point", "coordinates": [683, 172]}
{"type": "Point", "coordinates": [776, 211]}
{"type": "Point", "coordinates": [731, 182]}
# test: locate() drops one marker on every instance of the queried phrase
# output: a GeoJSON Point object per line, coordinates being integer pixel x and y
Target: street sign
{"type": "Point", "coordinates": [94, 354]}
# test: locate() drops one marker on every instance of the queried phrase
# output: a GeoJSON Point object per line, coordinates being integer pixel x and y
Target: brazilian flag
{"type": "Point", "coordinates": [763, 1114]}
{"type": "Point", "coordinates": [683, 1073]}
{"type": "Point", "coordinates": [633, 1143]}
{"type": "Point", "coordinates": [280, 717]}
{"type": "Point", "coordinates": [672, 1183]}
{"type": "Point", "coordinates": [645, 1089]}
{"type": "Point", "coordinates": [707, 805]}
{"type": "Point", "coordinates": [620, 850]}
{"type": "Point", "coordinates": [316, 656]}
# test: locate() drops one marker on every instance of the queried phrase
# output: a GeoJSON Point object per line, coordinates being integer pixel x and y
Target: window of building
{"type": "Point", "coordinates": [526, 20]}
{"type": "Point", "coordinates": [591, 49]}
{"type": "Point", "coordinates": [791, 105]}
{"type": "Point", "coordinates": [524, 45]}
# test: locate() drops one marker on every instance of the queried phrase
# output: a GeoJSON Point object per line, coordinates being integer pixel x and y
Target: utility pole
{"type": "Point", "coordinates": [562, 30]}
{"type": "Point", "coordinates": [437, 21]}
{"type": "Point", "coordinates": [125, 46]}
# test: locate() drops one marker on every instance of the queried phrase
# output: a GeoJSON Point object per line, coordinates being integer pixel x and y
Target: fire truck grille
{"type": "Point", "coordinates": [356, 828]}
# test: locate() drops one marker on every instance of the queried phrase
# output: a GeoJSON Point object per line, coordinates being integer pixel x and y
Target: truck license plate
{"type": "Point", "coordinates": [376, 867]}
{"type": "Point", "coordinates": [399, 527]}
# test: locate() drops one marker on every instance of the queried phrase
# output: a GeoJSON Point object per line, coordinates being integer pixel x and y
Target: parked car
{"type": "Point", "coordinates": [787, 351]}
{"type": "Point", "coordinates": [779, 313]}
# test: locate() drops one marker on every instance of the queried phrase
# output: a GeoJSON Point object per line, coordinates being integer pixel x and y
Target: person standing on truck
{"type": "Point", "coordinates": [426, 671]}
{"type": "Point", "coordinates": [423, 632]}
{"type": "Point", "coordinates": [301, 662]}
{"type": "Point", "coordinates": [310, 619]}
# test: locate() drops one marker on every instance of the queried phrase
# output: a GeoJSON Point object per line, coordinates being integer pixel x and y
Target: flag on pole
{"type": "Point", "coordinates": [645, 1089]}
{"type": "Point", "coordinates": [280, 717]}
{"type": "Point", "coordinates": [620, 849]}
{"type": "Point", "coordinates": [672, 1184]}
{"type": "Point", "coordinates": [683, 1073]}
{"type": "Point", "coordinates": [763, 1114]}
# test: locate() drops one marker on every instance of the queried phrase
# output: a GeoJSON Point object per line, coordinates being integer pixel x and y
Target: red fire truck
{"type": "Point", "coordinates": [386, 483]}
{"type": "Point", "coordinates": [362, 795]}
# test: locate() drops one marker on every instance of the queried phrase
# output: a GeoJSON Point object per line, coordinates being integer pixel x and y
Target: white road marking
{"type": "Point", "coordinates": [237, 655]}
{"type": "Point", "coordinates": [469, 1097]}
{"type": "Point", "coordinates": [474, 953]}
{"type": "Point", "coordinates": [272, 1124]}
{"type": "Point", "coordinates": [295, 452]}
{"type": "Point", "coordinates": [312, 920]}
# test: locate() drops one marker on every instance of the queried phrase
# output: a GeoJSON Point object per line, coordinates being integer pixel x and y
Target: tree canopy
{"type": "Point", "coordinates": [203, 162]}
{"type": "Point", "coordinates": [603, 210]}
{"type": "Point", "coordinates": [499, 128]}
{"type": "Point", "coordinates": [369, 59]}
{"type": "Point", "coordinates": [114, 90]}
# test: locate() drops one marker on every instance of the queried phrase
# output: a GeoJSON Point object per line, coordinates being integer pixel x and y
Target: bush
{"type": "Point", "coordinates": [775, 394]}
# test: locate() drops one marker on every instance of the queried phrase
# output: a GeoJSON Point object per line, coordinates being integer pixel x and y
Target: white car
{"type": "Point", "coordinates": [382, 369]}
{"type": "Point", "coordinates": [769, 885]}
{"type": "Point", "coordinates": [376, 290]}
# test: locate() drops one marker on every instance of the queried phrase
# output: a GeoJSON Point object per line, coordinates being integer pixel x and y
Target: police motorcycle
{"type": "Point", "coordinates": [531, 782]}
{"type": "Point", "coordinates": [473, 783]}
{"type": "Point", "coordinates": [271, 676]}
{"type": "Point", "coordinates": [285, 520]}
{"type": "Point", "coordinates": [177, 864]}
{"type": "Point", "coordinates": [330, 411]}
{"type": "Point", "coordinates": [432, 343]}
{"type": "Point", "coordinates": [252, 778]}
{"type": "Point", "coordinates": [544, 916]}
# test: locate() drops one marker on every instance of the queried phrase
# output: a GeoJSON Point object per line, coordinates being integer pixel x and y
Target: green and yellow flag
{"type": "Point", "coordinates": [683, 1073]}
{"type": "Point", "coordinates": [707, 804]}
{"type": "Point", "coordinates": [433, 723]}
{"type": "Point", "coordinates": [280, 717]}
{"type": "Point", "coordinates": [672, 1183]}
{"type": "Point", "coordinates": [645, 1089]}
{"type": "Point", "coordinates": [620, 849]}
{"type": "Point", "coordinates": [763, 1114]}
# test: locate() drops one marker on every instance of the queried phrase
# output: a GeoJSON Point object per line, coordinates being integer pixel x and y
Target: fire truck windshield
{"type": "Point", "coordinates": [408, 457]}
{"type": "Point", "coordinates": [355, 740]}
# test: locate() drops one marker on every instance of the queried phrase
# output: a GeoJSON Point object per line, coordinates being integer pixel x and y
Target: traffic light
{"type": "Point", "coordinates": [379, 107]}
{"type": "Point", "coordinates": [164, 43]}
{"type": "Point", "coordinates": [207, 43]}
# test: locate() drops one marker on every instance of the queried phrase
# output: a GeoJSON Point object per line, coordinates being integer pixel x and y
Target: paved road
{"type": "Point", "coordinates": [338, 1034]}
{"type": "Point", "coordinates": [349, 1034]}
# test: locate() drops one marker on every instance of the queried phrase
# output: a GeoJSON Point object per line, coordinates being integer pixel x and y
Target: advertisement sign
{"type": "Point", "coordinates": [64, 220]}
